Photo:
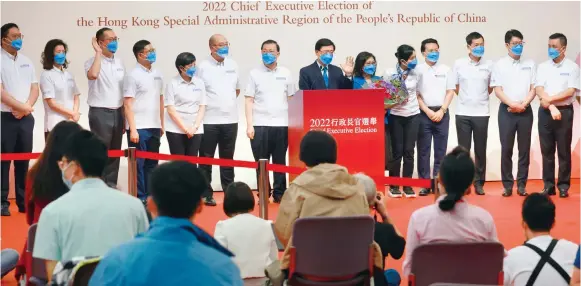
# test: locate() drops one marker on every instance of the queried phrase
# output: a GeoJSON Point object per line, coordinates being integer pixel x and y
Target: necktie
{"type": "Point", "coordinates": [325, 77]}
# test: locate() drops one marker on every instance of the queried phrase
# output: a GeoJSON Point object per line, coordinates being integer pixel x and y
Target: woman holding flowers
{"type": "Point", "coordinates": [404, 120]}
{"type": "Point", "coordinates": [364, 78]}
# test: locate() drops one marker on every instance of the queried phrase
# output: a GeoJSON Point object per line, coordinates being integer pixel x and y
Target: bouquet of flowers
{"type": "Point", "coordinates": [395, 89]}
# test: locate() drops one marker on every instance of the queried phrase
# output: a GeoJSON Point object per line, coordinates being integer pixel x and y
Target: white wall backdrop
{"type": "Point", "coordinates": [351, 28]}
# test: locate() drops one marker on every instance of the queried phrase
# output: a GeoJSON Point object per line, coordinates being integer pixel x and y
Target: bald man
{"type": "Point", "coordinates": [221, 78]}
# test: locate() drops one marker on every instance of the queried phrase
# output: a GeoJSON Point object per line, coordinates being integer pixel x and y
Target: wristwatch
{"type": "Point", "coordinates": [444, 110]}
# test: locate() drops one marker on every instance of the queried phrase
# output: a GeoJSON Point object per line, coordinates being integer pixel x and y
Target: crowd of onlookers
{"type": "Point", "coordinates": [78, 215]}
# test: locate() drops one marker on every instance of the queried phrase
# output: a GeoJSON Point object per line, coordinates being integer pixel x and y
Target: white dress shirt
{"type": "Point", "coordinates": [146, 87]}
{"type": "Point", "coordinates": [521, 261]}
{"type": "Point", "coordinates": [411, 107]}
{"type": "Point", "coordinates": [221, 80]}
{"type": "Point", "coordinates": [270, 90]}
{"type": "Point", "coordinates": [252, 241]}
{"type": "Point", "coordinates": [60, 86]}
{"type": "Point", "coordinates": [473, 79]}
{"type": "Point", "coordinates": [18, 75]}
{"type": "Point", "coordinates": [107, 90]}
{"type": "Point", "coordinates": [557, 77]}
{"type": "Point", "coordinates": [514, 76]}
{"type": "Point", "coordinates": [433, 83]}
{"type": "Point", "coordinates": [186, 98]}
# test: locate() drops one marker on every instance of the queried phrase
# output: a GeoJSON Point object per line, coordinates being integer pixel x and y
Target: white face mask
{"type": "Point", "coordinates": [67, 182]}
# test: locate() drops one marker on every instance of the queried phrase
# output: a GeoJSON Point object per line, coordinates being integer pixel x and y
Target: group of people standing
{"type": "Point", "coordinates": [197, 109]}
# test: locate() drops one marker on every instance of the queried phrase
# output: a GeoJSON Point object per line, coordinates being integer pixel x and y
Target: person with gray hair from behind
{"type": "Point", "coordinates": [386, 233]}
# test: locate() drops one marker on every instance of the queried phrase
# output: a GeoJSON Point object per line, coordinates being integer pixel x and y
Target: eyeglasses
{"type": "Point", "coordinates": [112, 39]}
{"type": "Point", "coordinates": [518, 43]}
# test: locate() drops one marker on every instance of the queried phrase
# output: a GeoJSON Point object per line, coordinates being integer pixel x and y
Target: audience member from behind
{"type": "Point", "coordinates": [324, 189]}
{"type": "Point", "coordinates": [386, 234]}
{"type": "Point", "coordinates": [451, 218]}
{"type": "Point", "coordinates": [91, 218]}
{"type": "Point", "coordinates": [174, 251]}
{"type": "Point", "coordinates": [250, 238]}
{"type": "Point", "coordinates": [44, 183]}
{"type": "Point", "coordinates": [522, 264]}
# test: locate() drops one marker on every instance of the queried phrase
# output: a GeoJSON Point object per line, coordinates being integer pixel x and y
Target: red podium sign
{"type": "Point", "coordinates": [355, 118]}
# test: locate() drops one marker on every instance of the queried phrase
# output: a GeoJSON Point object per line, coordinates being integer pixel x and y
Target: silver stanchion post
{"type": "Point", "coordinates": [131, 171]}
{"type": "Point", "coordinates": [263, 188]}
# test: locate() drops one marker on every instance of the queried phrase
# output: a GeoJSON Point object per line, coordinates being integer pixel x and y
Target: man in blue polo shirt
{"type": "Point", "coordinates": [174, 251]}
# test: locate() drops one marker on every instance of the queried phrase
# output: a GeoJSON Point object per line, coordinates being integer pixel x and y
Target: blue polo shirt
{"type": "Point", "coordinates": [173, 252]}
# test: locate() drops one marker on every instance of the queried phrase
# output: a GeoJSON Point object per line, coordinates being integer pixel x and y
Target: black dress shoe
{"type": "Point", "coordinates": [563, 193]}
{"type": "Point", "coordinates": [5, 212]}
{"type": "Point", "coordinates": [22, 210]}
{"type": "Point", "coordinates": [210, 202]}
{"type": "Point", "coordinates": [479, 190]}
{"type": "Point", "coordinates": [522, 192]}
{"type": "Point", "coordinates": [276, 199]}
{"type": "Point", "coordinates": [507, 193]}
{"type": "Point", "coordinates": [548, 192]}
{"type": "Point", "coordinates": [424, 192]}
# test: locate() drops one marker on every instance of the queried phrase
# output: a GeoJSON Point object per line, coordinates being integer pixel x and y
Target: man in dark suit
{"type": "Point", "coordinates": [322, 74]}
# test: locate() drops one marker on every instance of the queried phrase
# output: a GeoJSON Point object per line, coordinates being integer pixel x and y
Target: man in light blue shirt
{"type": "Point", "coordinates": [174, 251]}
{"type": "Point", "coordinates": [91, 218]}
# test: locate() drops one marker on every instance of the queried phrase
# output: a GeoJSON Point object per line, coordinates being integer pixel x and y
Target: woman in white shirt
{"type": "Point", "coordinates": [58, 86]}
{"type": "Point", "coordinates": [250, 238]}
{"type": "Point", "coordinates": [185, 105]}
{"type": "Point", "coordinates": [404, 121]}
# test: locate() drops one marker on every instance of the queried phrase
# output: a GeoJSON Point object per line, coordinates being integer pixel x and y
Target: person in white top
{"type": "Point", "coordinates": [58, 87]}
{"type": "Point", "coordinates": [221, 78]}
{"type": "Point", "coordinates": [185, 104]}
{"type": "Point", "coordinates": [19, 94]}
{"type": "Point", "coordinates": [250, 238]}
{"type": "Point", "coordinates": [404, 120]}
{"type": "Point", "coordinates": [513, 82]}
{"type": "Point", "coordinates": [433, 99]}
{"type": "Point", "coordinates": [270, 86]}
{"type": "Point", "coordinates": [471, 80]}
{"type": "Point", "coordinates": [144, 112]}
{"type": "Point", "coordinates": [105, 73]}
{"type": "Point", "coordinates": [542, 260]}
{"type": "Point", "coordinates": [556, 84]}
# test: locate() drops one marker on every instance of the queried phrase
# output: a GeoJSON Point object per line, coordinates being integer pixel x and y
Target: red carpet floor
{"type": "Point", "coordinates": [506, 213]}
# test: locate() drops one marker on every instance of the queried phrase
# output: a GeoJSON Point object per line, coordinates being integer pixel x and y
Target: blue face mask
{"type": "Point", "coordinates": [326, 58]}
{"type": "Point", "coordinates": [151, 57]}
{"type": "Point", "coordinates": [517, 49]}
{"type": "Point", "coordinates": [223, 51]}
{"type": "Point", "coordinates": [268, 58]}
{"type": "Point", "coordinates": [554, 53]}
{"type": "Point", "coordinates": [369, 69]}
{"type": "Point", "coordinates": [412, 65]}
{"type": "Point", "coordinates": [433, 57]}
{"type": "Point", "coordinates": [16, 44]}
{"type": "Point", "coordinates": [112, 46]}
{"type": "Point", "coordinates": [67, 182]}
{"type": "Point", "coordinates": [60, 58]}
{"type": "Point", "coordinates": [478, 51]}
{"type": "Point", "coordinates": [191, 71]}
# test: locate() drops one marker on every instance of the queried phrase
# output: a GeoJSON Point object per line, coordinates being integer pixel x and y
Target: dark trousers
{"type": "Point", "coordinates": [477, 127]}
{"type": "Point", "coordinates": [180, 144]}
{"type": "Point", "coordinates": [224, 137]}
{"type": "Point", "coordinates": [556, 134]}
{"type": "Point", "coordinates": [509, 125]}
{"type": "Point", "coordinates": [271, 142]}
{"type": "Point", "coordinates": [148, 141]}
{"type": "Point", "coordinates": [108, 124]}
{"type": "Point", "coordinates": [404, 133]}
{"type": "Point", "coordinates": [387, 146]}
{"type": "Point", "coordinates": [428, 130]}
{"type": "Point", "coordinates": [16, 138]}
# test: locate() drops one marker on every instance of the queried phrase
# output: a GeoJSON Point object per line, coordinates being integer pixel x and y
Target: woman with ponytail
{"type": "Point", "coordinates": [451, 218]}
